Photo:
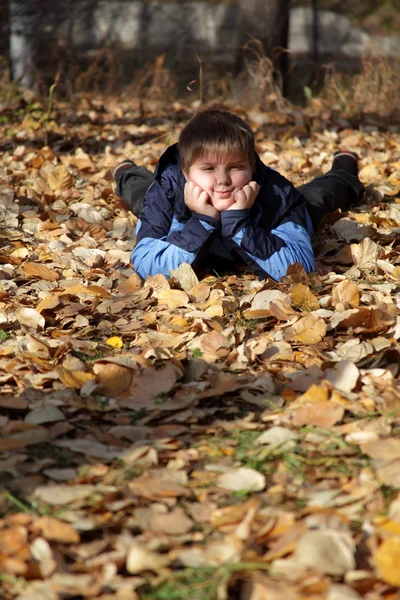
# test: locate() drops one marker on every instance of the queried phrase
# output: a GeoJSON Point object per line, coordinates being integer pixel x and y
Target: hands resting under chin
{"type": "Point", "coordinates": [200, 202]}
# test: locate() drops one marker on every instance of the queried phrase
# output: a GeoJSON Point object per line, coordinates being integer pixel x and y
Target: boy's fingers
{"type": "Point", "coordinates": [240, 195]}
{"type": "Point", "coordinates": [203, 196]}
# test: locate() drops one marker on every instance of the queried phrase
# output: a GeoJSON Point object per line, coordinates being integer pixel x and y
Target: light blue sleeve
{"type": "Point", "coordinates": [298, 248]}
{"type": "Point", "coordinates": [151, 255]}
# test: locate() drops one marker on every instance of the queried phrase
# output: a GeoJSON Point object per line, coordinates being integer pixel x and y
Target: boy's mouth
{"type": "Point", "coordinates": [224, 193]}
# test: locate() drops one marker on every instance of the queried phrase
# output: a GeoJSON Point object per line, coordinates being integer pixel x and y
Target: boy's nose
{"type": "Point", "coordinates": [223, 177]}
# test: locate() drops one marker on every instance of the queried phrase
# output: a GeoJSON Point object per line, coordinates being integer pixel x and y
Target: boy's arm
{"type": "Point", "coordinates": [163, 243]}
{"type": "Point", "coordinates": [269, 251]}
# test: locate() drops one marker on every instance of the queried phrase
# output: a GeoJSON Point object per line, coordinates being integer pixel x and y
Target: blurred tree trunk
{"type": "Point", "coordinates": [24, 18]}
{"type": "Point", "coordinates": [268, 22]}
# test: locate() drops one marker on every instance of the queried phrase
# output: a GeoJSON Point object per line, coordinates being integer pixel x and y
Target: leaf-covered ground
{"type": "Point", "coordinates": [222, 438]}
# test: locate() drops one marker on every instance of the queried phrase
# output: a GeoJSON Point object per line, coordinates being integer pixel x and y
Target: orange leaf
{"type": "Point", "coordinates": [40, 272]}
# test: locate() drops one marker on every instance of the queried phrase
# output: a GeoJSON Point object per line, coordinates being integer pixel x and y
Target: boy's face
{"type": "Point", "coordinates": [221, 177]}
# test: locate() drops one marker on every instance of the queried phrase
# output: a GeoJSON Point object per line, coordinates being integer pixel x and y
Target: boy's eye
{"type": "Point", "coordinates": [207, 168]}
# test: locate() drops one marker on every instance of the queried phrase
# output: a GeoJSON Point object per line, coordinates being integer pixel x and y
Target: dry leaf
{"type": "Point", "coordinates": [329, 552]}
{"type": "Point", "coordinates": [59, 179]}
{"type": "Point", "coordinates": [185, 276]}
{"type": "Point", "coordinates": [387, 559]}
{"type": "Point", "coordinates": [308, 330]}
{"type": "Point", "coordinates": [242, 478]}
{"type": "Point", "coordinates": [55, 530]}
{"type": "Point", "coordinates": [366, 254]}
{"type": "Point", "coordinates": [346, 293]}
{"type": "Point", "coordinates": [321, 414]}
{"type": "Point", "coordinates": [173, 298]}
{"type": "Point", "coordinates": [278, 438]}
{"type": "Point", "coordinates": [303, 298]}
{"type": "Point", "coordinates": [39, 272]}
{"type": "Point", "coordinates": [139, 559]}
{"type": "Point", "coordinates": [262, 300]}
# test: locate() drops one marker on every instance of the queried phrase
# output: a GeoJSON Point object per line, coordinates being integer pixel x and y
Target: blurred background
{"type": "Point", "coordinates": [257, 52]}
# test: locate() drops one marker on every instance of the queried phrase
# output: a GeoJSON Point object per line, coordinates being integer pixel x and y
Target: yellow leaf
{"type": "Point", "coordinates": [59, 179]}
{"type": "Point", "coordinates": [314, 394]}
{"type": "Point", "coordinates": [303, 298]}
{"type": "Point", "coordinates": [387, 559]}
{"type": "Point", "coordinates": [387, 527]}
{"type": "Point", "coordinates": [115, 342]}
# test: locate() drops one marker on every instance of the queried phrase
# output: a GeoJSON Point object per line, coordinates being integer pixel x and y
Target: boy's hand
{"type": "Point", "coordinates": [245, 197]}
{"type": "Point", "coordinates": [199, 201]}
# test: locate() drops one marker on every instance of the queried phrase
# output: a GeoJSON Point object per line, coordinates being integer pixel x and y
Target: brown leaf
{"type": "Point", "coordinates": [147, 384]}
{"type": "Point", "coordinates": [303, 298]}
{"type": "Point", "coordinates": [308, 330]}
{"type": "Point", "coordinates": [112, 379]}
{"type": "Point", "coordinates": [173, 523]}
{"type": "Point", "coordinates": [329, 552]}
{"type": "Point", "coordinates": [214, 345]}
{"type": "Point", "coordinates": [132, 284]}
{"type": "Point", "coordinates": [55, 530]}
{"type": "Point", "coordinates": [50, 301]}
{"type": "Point", "coordinates": [346, 293]}
{"type": "Point", "coordinates": [40, 272]}
{"type": "Point", "coordinates": [59, 179]}
{"type": "Point", "coordinates": [185, 276]}
{"type": "Point", "coordinates": [173, 298]}
{"type": "Point", "coordinates": [150, 487]}
{"type": "Point", "coordinates": [12, 540]}
{"type": "Point", "coordinates": [322, 414]}
{"type": "Point", "coordinates": [73, 379]}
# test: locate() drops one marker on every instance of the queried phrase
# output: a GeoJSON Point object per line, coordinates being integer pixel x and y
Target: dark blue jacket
{"type": "Point", "coordinates": [269, 237]}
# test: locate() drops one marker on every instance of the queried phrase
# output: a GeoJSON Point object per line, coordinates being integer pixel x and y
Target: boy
{"type": "Point", "coordinates": [213, 202]}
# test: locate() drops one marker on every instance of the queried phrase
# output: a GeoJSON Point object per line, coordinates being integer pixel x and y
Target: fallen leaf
{"type": "Point", "coordinates": [387, 559]}
{"type": "Point", "coordinates": [115, 342]}
{"type": "Point", "coordinates": [55, 530]}
{"type": "Point", "coordinates": [329, 552]}
{"type": "Point", "coordinates": [185, 276]}
{"type": "Point", "coordinates": [173, 298]}
{"type": "Point", "coordinates": [303, 298]}
{"type": "Point", "coordinates": [39, 272]}
{"type": "Point", "coordinates": [343, 376]}
{"type": "Point", "coordinates": [346, 293]}
{"type": "Point", "coordinates": [322, 414]}
{"type": "Point", "coordinates": [139, 559]}
{"type": "Point", "coordinates": [278, 438]}
{"type": "Point", "coordinates": [173, 523]}
{"type": "Point", "coordinates": [308, 330]}
{"type": "Point", "coordinates": [59, 179]}
{"type": "Point", "coordinates": [243, 478]}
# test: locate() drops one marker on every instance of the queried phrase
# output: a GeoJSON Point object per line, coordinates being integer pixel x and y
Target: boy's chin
{"type": "Point", "coordinates": [223, 204]}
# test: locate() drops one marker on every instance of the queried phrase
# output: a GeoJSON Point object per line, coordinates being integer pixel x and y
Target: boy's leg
{"type": "Point", "coordinates": [339, 188]}
{"type": "Point", "coordinates": [132, 183]}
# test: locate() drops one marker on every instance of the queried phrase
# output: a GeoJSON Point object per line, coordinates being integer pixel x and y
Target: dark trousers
{"type": "Point", "coordinates": [324, 194]}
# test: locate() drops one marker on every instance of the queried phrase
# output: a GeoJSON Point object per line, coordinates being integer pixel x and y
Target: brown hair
{"type": "Point", "coordinates": [215, 132]}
